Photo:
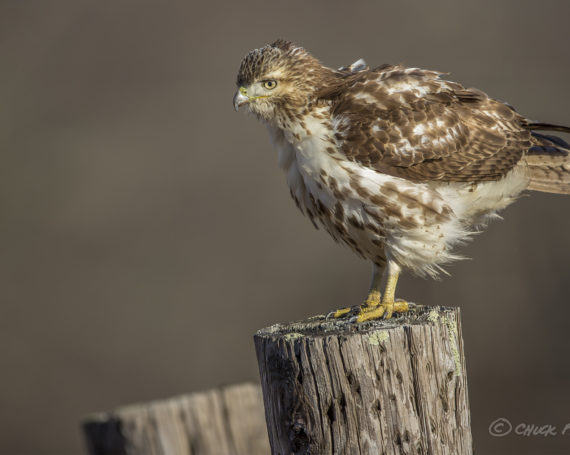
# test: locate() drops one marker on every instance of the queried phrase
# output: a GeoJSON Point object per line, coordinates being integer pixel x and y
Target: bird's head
{"type": "Point", "coordinates": [277, 79]}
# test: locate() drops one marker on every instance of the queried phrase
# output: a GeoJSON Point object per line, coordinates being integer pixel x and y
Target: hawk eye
{"type": "Point", "coordinates": [270, 85]}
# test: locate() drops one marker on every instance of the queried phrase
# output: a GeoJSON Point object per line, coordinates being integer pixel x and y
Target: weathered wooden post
{"type": "Point", "coordinates": [226, 421]}
{"type": "Point", "coordinates": [395, 386]}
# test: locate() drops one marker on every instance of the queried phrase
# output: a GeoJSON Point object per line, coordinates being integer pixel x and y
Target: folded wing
{"type": "Point", "coordinates": [410, 123]}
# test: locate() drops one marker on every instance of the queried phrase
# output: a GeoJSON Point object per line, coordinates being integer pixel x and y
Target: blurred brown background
{"type": "Point", "coordinates": [147, 232]}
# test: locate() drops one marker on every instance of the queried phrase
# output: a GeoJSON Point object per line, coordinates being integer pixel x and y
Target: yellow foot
{"type": "Point", "coordinates": [371, 302]}
{"type": "Point", "coordinates": [384, 309]}
{"type": "Point", "coordinates": [342, 312]}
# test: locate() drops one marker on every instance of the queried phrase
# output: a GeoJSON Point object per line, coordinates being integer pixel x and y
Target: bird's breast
{"type": "Point", "coordinates": [375, 214]}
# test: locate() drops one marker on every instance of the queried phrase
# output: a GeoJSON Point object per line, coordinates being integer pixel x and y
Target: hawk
{"type": "Point", "coordinates": [397, 163]}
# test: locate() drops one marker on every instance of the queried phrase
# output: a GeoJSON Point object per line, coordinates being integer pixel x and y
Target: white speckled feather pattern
{"type": "Point", "coordinates": [397, 163]}
{"type": "Point", "coordinates": [422, 243]}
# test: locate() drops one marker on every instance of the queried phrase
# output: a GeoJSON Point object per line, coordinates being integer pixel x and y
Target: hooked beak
{"type": "Point", "coordinates": [240, 98]}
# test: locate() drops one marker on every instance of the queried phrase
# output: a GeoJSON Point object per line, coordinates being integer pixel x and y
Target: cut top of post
{"type": "Point", "coordinates": [321, 325]}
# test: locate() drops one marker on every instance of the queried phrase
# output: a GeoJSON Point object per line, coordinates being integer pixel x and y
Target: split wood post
{"type": "Point", "coordinates": [396, 386]}
{"type": "Point", "coordinates": [227, 421]}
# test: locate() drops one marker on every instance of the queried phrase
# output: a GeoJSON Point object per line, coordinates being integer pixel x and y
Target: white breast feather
{"type": "Point", "coordinates": [421, 245]}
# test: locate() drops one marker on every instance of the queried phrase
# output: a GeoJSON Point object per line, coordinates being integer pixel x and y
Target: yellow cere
{"type": "Point", "coordinates": [243, 91]}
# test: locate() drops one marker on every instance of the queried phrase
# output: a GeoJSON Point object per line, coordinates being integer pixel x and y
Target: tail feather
{"type": "Point", "coordinates": [549, 160]}
{"type": "Point", "coordinates": [550, 174]}
{"type": "Point", "coordinates": [533, 126]}
{"type": "Point", "coordinates": [547, 140]}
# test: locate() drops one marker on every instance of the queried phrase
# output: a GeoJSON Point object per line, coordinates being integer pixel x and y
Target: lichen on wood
{"type": "Point", "coordinates": [393, 386]}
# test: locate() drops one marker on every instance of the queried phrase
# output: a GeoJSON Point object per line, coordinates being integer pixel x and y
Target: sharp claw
{"type": "Point", "coordinates": [366, 312]}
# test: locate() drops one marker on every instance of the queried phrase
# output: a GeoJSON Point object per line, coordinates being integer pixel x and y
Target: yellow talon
{"type": "Point", "coordinates": [340, 313]}
{"type": "Point", "coordinates": [371, 302]}
{"type": "Point", "coordinates": [373, 307]}
{"type": "Point", "coordinates": [383, 310]}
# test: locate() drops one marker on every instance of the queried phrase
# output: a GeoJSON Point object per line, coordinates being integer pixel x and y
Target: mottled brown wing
{"type": "Point", "coordinates": [410, 123]}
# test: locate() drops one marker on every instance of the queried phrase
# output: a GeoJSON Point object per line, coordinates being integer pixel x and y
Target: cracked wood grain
{"type": "Point", "coordinates": [383, 387]}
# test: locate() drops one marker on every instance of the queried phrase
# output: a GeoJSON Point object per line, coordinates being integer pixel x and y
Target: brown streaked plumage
{"type": "Point", "coordinates": [397, 163]}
